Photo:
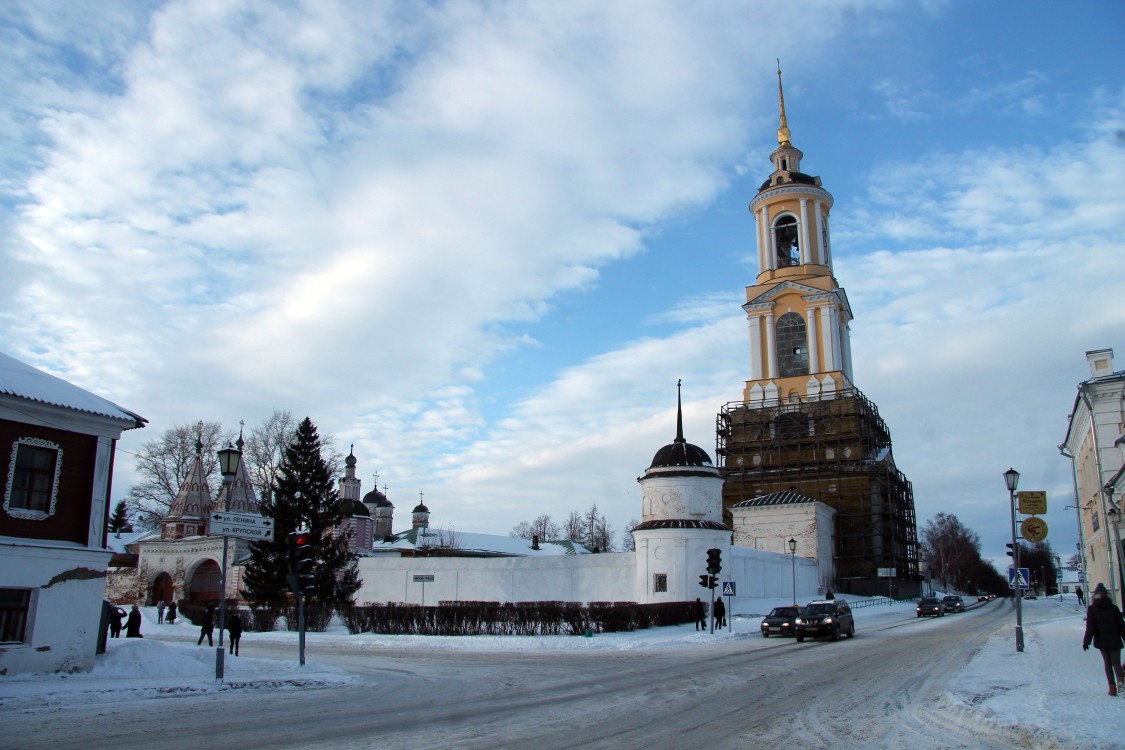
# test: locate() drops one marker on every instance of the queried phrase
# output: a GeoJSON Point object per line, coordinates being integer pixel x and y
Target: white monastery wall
{"type": "Point", "coordinates": [606, 577]}
{"type": "Point", "coordinates": [573, 578]}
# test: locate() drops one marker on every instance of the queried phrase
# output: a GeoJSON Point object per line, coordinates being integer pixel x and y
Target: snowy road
{"type": "Point", "coordinates": [885, 688]}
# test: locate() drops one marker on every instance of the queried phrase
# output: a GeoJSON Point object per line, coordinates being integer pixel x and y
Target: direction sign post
{"type": "Point", "coordinates": [242, 525]}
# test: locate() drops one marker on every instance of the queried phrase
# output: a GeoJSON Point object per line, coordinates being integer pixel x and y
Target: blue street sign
{"type": "Point", "coordinates": [728, 588]}
{"type": "Point", "coordinates": [1019, 580]}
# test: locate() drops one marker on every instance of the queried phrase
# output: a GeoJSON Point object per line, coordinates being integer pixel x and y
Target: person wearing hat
{"type": "Point", "coordinates": [1106, 629]}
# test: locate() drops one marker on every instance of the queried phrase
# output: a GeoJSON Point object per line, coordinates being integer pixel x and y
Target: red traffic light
{"type": "Point", "coordinates": [302, 538]}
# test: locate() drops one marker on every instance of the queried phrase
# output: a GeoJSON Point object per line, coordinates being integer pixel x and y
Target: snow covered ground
{"type": "Point", "coordinates": [1051, 690]}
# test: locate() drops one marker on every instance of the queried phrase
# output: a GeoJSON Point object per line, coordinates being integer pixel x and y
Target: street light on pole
{"type": "Point", "coordinates": [229, 459]}
{"type": "Point", "coordinates": [793, 560]}
{"type": "Point", "coordinates": [1012, 480]}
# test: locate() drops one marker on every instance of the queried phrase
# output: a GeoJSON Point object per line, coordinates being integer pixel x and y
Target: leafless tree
{"type": "Point", "coordinates": [265, 450]}
{"type": "Point", "coordinates": [627, 541]}
{"type": "Point", "coordinates": [542, 527]}
{"type": "Point", "coordinates": [950, 548]}
{"type": "Point", "coordinates": [574, 527]}
{"type": "Point", "coordinates": [163, 465]}
{"type": "Point", "coordinates": [440, 538]}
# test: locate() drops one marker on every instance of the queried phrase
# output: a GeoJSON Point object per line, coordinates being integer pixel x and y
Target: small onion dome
{"type": "Point", "coordinates": [349, 508]}
{"type": "Point", "coordinates": [350, 461]}
{"type": "Point", "coordinates": [421, 509]}
{"type": "Point", "coordinates": [378, 499]}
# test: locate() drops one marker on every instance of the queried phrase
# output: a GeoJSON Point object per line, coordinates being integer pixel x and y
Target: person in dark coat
{"type": "Point", "coordinates": [208, 626]}
{"type": "Point", "coordinates": [1078, 593]}
{"type": "Point", "coordinates": [116, 618]}
{"type": "Point", "coordinates": [170, 618]}
{"type": "Point", "coordinates": [720, 613]}
{"type": "Point", "coordinates": [234, 626]}
{"type": "Point", "coordinates": [1106, 630]}
{"type": "Point", "coordinates": [133, 624]}
{"type": "Point", "coordinates": [700, 614]}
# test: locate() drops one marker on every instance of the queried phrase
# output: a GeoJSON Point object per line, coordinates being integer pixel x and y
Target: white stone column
{"type": "Point", "coordinates": [837, 339]}
{"type": "Point", "coordinates": [760, 236]}
{"type": "Point", "coordinates": [806, 249]}
{"type": "Point", "coordinates": [755, 346]}
{"type": "Point", "coordinates": [848, 352]}
{"type": "Point", "coordinates": [771, 347]}
{"type": "Point", "coordinates": [814, 344]}
{"type": "Point", "coordinates": [829, 346]}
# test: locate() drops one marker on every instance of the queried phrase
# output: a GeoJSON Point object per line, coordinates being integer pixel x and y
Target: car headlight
{"type": "Point", "coordinates": [827, 620]}
{"type": "Point", "coordinates": [798, 621]}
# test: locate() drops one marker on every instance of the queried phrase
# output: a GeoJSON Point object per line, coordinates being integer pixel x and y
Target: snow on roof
{"type": "Point", "coordinates": [119, 542]}
{"type": "Point", "coordinates": [467, 543]}
{"type": "Point", "coordinates": [24, 381]}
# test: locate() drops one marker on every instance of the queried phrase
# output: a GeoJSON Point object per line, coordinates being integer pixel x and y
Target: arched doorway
{"type": "Point", "coordinates": [163, 590]}
{"type": "Point", "coordinates": [205, 582]}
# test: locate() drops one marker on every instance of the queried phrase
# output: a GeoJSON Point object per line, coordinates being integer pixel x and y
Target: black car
{"type": "Point", "coordinates": [780, 621]}
{"type": "Point", "coordinates": [831, 617]}
{"type": "Point", "coordinates": [953, 604]}
{"type": "Point", "coordinates": [930, 607]}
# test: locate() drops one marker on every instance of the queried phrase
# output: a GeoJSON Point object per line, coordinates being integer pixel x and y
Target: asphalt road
{"type": "Point", "coordinates": [884, 688]}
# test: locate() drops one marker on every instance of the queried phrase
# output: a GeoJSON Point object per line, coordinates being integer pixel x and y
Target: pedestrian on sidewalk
{"type": "Point", "coordinates": [234, 626]}
{"type": "Point", "coordinates": [1106, 630]}
{"type": "Point", "coordinates": [700, 614]}
{"type": "Point", "coordinates": [720, 614]}
{"type": "Point", "coordinates": [160, 612]}
{"type": "Point", "coordinates": [208, 626]}
{"type": "Point", "coordinates": [172, 612]}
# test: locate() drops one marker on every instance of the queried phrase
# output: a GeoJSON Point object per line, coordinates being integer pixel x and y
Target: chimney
{"type": "Point", "coordinates": [1100, 361]}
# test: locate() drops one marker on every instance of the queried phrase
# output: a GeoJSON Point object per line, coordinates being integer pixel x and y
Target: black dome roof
{"type": "Point", "coordinates": [680, 452]}
{"type": "Point", "coordinates": [350, 508]}
{"type": "Point", "coordinates": [378, 499]}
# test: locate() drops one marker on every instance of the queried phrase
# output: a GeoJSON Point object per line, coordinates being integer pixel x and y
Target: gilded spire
{"type": "Point", "coordinates": [783, 130]}
{"type": "Point", "coordinates": [679, 415]}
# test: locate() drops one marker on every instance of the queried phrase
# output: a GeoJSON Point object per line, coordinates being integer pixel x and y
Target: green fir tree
{"type": "Point", "coordinates": [119, 522]}
{"type": "Point", "coordinates": [304, 497]}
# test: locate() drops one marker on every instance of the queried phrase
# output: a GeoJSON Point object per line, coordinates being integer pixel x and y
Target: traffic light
{"type": "Point", "coordinates": [1011, 548]}
{"type": "Point", "coordinates": [301, 578]}
{"type": "Point", "coordinates": [714, 561]}
{"type": "Point", "coordinates": [704, 580]}
{"type": "Point", "coordinates": [712, 582]}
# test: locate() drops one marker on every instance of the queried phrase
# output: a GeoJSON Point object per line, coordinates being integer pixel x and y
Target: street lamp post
{"type": "Point", "coordinates": [229, 458]}
{"type": "Point", "coordinates": [1012, 480]}
{"type": "Point", "coordinates": [793, 560]}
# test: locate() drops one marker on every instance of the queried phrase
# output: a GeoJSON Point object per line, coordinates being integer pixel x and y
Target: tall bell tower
{"type": "Point", "coordinates": [802, 428]}
{"type": "Point", "coordinates": [798, 315]}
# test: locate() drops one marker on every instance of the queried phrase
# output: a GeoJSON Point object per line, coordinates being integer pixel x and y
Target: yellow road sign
{"type": "Point", "coordinates": [1034, 529]}
{"type": "Point", "coordinates": [1032, 502]}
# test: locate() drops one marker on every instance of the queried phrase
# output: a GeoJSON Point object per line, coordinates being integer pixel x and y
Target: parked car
{"type": "Point", "coordinates": [982, 597]}
{"type": "Point", "coordinates": [831, 617]}
{"type": "Point", "coordinates": [953, 603]}
{"type": "Point", "coordinates": [780, 621]}
{"type": "Point", "coordinates": [930, 607]}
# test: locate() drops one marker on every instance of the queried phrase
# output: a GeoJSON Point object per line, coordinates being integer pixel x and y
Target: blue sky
{"type": "Point", "coordinates": [482, 241]}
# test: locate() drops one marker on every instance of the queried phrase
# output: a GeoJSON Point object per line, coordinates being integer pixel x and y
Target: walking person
{"type": "Point", "coordinates": [208, 626]}
{"type": "Point", "coordinates": [700, 614]}
{"type": "Point", "coordinates": [116, 618]}
{"type": "Point", "coordinates": [234, 626]}
{"type": "Point", "coordinates": [1106, 629]}
{"type": "Point", "coordinates": [1078, 593]}
{"type": "Point", "coordinates": [172, 612]}
{"type": "Point", "coordinates": [720, 614]}
{"type": "Point", "coordinates": [160, 612]}
{"type": "Point", "coordinates": [133, 624]}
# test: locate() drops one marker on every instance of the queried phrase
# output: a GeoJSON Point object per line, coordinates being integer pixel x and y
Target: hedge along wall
{"type": "Point", "coordinates": [567, 578]}
{"type": "Point", "coordinates": [522, 618]}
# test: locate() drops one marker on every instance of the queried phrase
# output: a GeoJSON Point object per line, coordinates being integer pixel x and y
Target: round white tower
{"type": "Point", "coordinates": [681, 518]}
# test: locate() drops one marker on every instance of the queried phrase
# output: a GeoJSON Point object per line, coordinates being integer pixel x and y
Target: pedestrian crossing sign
{"type": "Point", "coordinates": [728, 588]}
{"type": "Point", "coordinates": [1018, 578]}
